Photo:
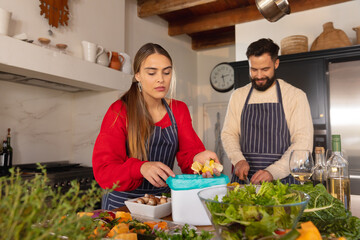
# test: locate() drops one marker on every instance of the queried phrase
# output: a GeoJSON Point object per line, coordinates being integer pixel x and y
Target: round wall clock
{"type": "Point", "coordinates": [222, 77]}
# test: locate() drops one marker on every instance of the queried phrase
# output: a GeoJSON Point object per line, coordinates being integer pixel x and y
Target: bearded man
{"type": "Point", "coordinates": [265, 120]}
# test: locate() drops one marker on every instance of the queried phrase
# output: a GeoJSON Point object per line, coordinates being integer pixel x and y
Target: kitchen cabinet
{"type": "Point", "coordinates": [308, 76]}
{"type": "Point", "coordinates": [309, 72]}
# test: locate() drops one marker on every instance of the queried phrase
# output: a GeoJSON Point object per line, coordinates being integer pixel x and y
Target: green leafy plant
{"type": "Point", "coordinates": [31, 209]}
{"type": "Point", "coordinates": [328, 213]}
{"type": "Point", "coordinates": [184, 234]}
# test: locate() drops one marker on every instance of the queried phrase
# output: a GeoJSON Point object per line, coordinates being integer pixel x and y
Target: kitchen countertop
{"type": "Point", "coordinates": [355, 210]}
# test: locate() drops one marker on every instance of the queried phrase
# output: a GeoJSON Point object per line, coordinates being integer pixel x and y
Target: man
{"type": "Point", "coordinates": [265, 120]}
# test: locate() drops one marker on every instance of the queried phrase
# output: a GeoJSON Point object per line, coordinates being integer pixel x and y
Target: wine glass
{"type": "Point", "coordinates": [301, 165]}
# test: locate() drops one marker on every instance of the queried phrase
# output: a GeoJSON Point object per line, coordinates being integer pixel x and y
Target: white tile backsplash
{"type": "Point", "coordinates": [50, 125]}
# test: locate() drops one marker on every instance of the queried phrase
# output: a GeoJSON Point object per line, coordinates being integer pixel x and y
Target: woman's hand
{"type": "Point", "coordinates": [207, 155]}
{"type": "Point", "coordinates": [156, 173]}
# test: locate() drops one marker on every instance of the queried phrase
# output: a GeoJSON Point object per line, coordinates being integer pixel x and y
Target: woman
{"type": "Point", "coordinates": [142, 132]}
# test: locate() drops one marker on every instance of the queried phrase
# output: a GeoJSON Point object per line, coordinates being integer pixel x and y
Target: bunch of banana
{"type": "Point", "coordinates": [208, 166]}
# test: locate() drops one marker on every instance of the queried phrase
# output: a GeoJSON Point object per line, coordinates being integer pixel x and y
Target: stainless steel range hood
{"type": "Point", "coordinates": [10, 77]}
{"type": "Point", "coordinates": [30, 64]}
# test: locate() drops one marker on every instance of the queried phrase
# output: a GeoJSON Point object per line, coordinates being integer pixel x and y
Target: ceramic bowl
{"type": "Point", "coordinates": [158, 211]}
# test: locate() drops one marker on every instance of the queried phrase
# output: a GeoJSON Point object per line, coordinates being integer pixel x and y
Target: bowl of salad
{"type": "Point", "coordinates": [253, 211]}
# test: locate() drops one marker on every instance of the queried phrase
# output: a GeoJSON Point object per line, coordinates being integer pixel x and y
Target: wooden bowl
{"type": "Point", "coordinates": [61, 46]}
{"type": "Point", "coordinates": [294, 44]}
{"type": "Point", "coordinates": [44, 41]}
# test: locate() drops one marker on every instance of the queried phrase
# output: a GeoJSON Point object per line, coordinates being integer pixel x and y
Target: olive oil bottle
{"type": "Point", "coordinates": [338, 181]}
{"type": "Point", "coordinates": [9, 150]}
{"type": "Point", "coordinates": [320, 170]}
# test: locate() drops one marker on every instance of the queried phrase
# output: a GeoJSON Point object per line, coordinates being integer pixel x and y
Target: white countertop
{"type": "Point", "coordinates": [355, 205]}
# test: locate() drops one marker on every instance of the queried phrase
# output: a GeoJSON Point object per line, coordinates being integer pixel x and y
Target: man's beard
{"type": "Point", "coordinates": [269, 82]}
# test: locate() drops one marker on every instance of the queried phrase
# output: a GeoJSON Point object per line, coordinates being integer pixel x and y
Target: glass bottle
{"type": "Point", "coordinates": [338, 182]}
{"type": "Point", "coordinates": [9, 150]}
{"type": "Point", "coordinates": [320, 171]}
{"type": "Point", "coordinates": [3, 158]}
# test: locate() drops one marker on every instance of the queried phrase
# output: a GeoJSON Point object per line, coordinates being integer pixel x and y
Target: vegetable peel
{"type": "Point", "coordinates": [208, 166]}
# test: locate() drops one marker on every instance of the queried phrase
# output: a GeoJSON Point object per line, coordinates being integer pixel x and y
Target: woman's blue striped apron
{"type": "Point", "coordinates": [264, 135]}
{"type": "Point", "coordinates": [163, 146]}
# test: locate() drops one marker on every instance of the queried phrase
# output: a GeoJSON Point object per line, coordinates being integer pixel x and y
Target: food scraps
{"type": "Point", "coordinates": [208, 166]}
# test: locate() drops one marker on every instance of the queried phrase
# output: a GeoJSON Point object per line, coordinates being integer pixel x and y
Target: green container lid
{"type": "Point", "coordinates": [194, 181]}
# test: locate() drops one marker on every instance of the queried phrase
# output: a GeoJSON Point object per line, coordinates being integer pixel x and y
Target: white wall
{"type": "Point", "coordinates": [345, 16]}
{"type": "Point", "coordinates": [90, 20]}
{"type": "Point", "coordinates": [49, 125]}
{"type": "Point", "coordinates": [210, 101]}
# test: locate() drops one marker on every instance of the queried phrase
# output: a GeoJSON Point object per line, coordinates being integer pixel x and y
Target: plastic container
{"type": "Point", "coordinates": [186, 205]}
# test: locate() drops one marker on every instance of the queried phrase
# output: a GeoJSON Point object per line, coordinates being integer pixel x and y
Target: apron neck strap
{"type": "Point", "coordinates": [278, 91]}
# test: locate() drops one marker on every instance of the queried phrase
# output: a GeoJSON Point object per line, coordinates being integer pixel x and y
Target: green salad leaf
{"type": "Point", "coordinates": [248, 213]}
{"type": "Point", "coordinates": [328, 213]}
{"type": "Point", "coordinates": [184, 234]}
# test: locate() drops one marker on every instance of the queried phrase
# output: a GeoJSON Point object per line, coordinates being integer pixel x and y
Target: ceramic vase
{"type": "Point", "coordinates": [330, 38]}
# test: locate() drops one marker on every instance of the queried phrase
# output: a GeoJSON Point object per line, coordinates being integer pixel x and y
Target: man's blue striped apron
{"type": "Point", "coordinates": [264, 135]}
{"type": "Point", "coordinates": [163, 146]}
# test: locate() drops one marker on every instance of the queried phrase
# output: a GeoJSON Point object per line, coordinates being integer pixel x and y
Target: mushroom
{"type": "Point", "coordinates": [140, 200]}
{"type": "Point", "coordinates": [163, 200]}
{"type": "Point", "coordinates": [146, 199]}
{"type": "Point", "coordinates": [152, 202]}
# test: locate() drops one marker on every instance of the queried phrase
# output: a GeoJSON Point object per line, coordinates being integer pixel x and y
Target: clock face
{"type": "Point", "coordinates": [222, 77]}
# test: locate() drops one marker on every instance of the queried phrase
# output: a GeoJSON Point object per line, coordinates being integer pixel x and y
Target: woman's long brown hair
{"type": "Point", "coordinates": [139, 121]}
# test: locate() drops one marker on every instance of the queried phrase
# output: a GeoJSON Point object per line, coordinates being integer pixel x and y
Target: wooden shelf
{"type": "Point", "coordinates": [36, 62]}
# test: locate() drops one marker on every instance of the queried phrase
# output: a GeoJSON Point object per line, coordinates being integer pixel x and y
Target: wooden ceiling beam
{"type": "Point", "coordinates": [148, 8]}
{"type": "Point", "coordinates": [214, 21]}
{"type": "Point", "coordinates": [217, 40]}
{"type": "Point", "coordinates": [236, 16]}
{"type": "Point", "coordinates": [302, 5]}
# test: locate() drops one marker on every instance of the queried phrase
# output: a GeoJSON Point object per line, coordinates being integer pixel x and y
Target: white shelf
{"type": "Point", "coordinates": [33, 61]}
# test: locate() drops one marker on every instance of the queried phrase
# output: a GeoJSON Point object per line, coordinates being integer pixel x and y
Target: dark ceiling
{"type": "Point", "coordinates": [211, 23]}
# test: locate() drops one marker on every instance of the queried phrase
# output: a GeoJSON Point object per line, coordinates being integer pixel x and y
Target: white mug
{"type": "Point", "coordinates": [4, 21]}
{"type": "Point", "coordinates": [126, 67]}
{"type": "Point", "coordinates": [91, 51]}
{"type": "Point", "coordinates": [103, 59]}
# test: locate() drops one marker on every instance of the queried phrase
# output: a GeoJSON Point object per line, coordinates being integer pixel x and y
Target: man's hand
{"type": "Point", "coordinates": [242, 169]}
{"type": "Point", "coordinates": [156, 173]}
{"type": "Point", "coordinates": [261, 176]}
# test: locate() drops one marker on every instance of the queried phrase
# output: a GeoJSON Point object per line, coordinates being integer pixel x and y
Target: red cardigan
{"type": "Point", "coordinates": [110, 161]}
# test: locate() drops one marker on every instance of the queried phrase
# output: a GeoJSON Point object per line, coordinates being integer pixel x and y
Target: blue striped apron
{"type": "Point", "coordinates": [163, 146]}
{"type": "Point", "coordinates": [264, 135]}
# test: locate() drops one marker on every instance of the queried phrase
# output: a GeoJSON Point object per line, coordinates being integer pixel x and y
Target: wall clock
{"type": "Point", "coordinates": [222, 77]}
